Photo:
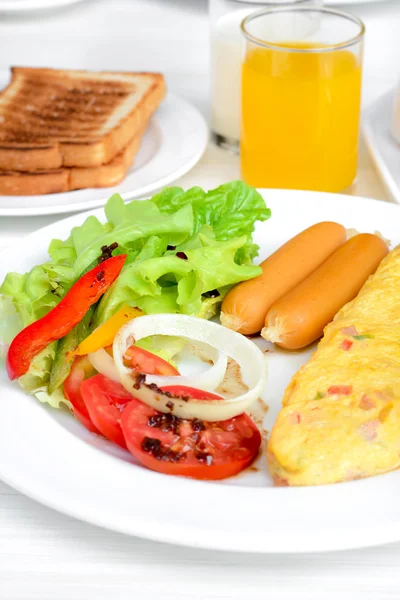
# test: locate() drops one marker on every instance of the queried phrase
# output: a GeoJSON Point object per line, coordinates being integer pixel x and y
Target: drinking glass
{"type": "Point", "coordinates": [226, 60]}
{"type": "Point", "coordinates": [301, 89]}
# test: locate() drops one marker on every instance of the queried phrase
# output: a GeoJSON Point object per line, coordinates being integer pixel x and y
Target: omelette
{"type": "Point", "coordinates": [340, 418]}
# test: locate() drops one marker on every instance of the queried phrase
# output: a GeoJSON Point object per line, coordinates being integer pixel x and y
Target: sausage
{"type": "Point", "coordinates": [245, 306]}
{"type": "Point", "coordinates": [298, 318]}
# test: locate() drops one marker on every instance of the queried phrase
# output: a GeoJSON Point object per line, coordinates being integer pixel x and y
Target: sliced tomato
{"type": "Point", "coordinates": [193, 448]}
{"type": "Point", "coordinates": [81, 370]}
{"type": "Point", "coordinates": [146, 362]}
{"type": "Point", "coordinates": [105, 400]}
{"type": "Point", "coordinates": [190, 392]}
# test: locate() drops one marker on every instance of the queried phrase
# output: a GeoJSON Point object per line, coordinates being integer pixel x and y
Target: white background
{"type": "Point", "coordinates": [44, 555]}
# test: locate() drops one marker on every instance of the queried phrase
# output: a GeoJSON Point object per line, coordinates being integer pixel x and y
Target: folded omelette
{"type": "Point", "coordinates": [341, 412]}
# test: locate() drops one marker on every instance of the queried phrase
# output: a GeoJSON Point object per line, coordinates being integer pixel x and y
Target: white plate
{"type": "Point", "coordinates": [173, 143]}
{"type": "Point", "coordinates": [49, 456]}
{"type": "Point", "coordinates": [21, 6]}
{"type": "Point", "coordinates": [384, 150]}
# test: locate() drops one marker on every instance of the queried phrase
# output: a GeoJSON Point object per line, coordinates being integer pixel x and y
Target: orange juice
{"type": "Point", "coordinates": [300, 117]}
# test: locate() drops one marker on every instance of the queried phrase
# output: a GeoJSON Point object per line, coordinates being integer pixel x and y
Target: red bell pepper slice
{"type": "Point", "coordinates": [63, 317]}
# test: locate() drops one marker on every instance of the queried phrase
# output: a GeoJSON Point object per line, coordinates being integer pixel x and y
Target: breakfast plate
{"type": "Point", "coordinates": [382, 146]}
{"type": "Point", "coordinates": [172, 144]}
{"type": "Point", "coordinates": [47, 455]}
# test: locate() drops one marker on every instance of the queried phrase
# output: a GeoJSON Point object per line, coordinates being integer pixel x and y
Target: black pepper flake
{"type": "Point", "coordinates": [201, 446]}
{"type": "Point", "coordinates": [165, 421]}
{"type": "Point", "coordinates": [181, 255]}
{"type": "Point", "coordinates": [211, 294]}
{"type": "Point", "coordinates": [204, 457]}
{"type": "Point", "coordinates": [154, 387]}
{"type": "Point", "coordinates": [172, 456]}
{"type": "Point", "coordinates": [171, 247]}
{"type": "Point", "coordinates": [139, 379]}
{"type": "Point", "coordinates": [106, 252]}
{"type": "Point", "coordinates": [100, 276]}
{"type": "Point", "coordinates": [154, 447]}
{"type": "Point", "coordinates": [151, 445]}
{"type": "Point", "coordinates": [197, 425]}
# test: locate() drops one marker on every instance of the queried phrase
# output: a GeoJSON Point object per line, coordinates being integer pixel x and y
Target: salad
{"type": "Point", "coordinates": [102, 327]}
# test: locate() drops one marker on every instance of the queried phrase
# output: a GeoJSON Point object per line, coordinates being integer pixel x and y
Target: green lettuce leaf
{"type": "Point", "coordinates": [10, 324]}
{"type": "Point", "coordinates": [210, 266]}
{"type": "Point", "coordinates": [231, 209]}
{"type": "Point", "coordinates": [36, 380]}
{"type": "Point", "coordinates": [32, 294]}
{"type": "Point", "coordinates": [131, 225]}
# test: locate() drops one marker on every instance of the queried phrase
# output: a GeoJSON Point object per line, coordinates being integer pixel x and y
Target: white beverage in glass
{"type": "Point", "coordinates": [226, 52]}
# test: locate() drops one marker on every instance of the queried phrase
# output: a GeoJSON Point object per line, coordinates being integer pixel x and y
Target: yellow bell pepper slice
{"type": "Point", "coordinates": [104, 335]}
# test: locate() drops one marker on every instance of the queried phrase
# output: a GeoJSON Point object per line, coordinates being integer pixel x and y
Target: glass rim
{"type": "Point", "coordinates": [281, 47]}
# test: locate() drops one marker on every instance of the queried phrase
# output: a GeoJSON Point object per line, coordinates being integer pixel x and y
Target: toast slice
{"type": "Point", "coordinates": [52, 118]}
{"type": "Point", "coordinates": [18, 183]}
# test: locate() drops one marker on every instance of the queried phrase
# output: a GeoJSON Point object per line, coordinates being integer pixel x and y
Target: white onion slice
{"type": "Point", "coordinates": [249, 357]}
{"type": "Point", "coordinates": [104, 364]}
{"type": "Point", "coordinates": [207, 380]}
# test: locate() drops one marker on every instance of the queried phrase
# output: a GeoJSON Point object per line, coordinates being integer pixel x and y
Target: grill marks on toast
{"type": "Point", "coordinates": [62, 111]}
{"type": "Point", "coordinates": [52, 118]}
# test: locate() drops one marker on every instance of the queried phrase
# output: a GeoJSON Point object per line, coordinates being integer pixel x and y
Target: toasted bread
{"type": "Point", "coordinates": [18, 183]}
{"type": "Point", "coordinates": [52, 118]}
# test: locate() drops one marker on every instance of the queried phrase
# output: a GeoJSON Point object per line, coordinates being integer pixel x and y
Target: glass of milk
{"type": "Point", "coordinates": [226, 61]}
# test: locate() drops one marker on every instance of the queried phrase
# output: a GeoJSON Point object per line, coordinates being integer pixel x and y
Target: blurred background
{"type": "Point", "coordinates": [167, 36]}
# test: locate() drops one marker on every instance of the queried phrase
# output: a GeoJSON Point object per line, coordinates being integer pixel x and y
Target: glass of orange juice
{"type": "Point", "coordinates": [301, 95]}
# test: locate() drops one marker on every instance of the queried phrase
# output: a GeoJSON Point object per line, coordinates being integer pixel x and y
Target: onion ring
{"type": "Point", "coordinates": [249, 357]}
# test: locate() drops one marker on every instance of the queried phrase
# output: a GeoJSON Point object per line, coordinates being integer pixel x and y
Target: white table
{"type": "Point", "coordinates": [45, 555]}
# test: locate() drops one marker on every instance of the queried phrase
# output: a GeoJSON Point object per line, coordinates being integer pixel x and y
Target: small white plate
{"type": "Point", "coordinates": [385, 151]}
{"type": "Point", "coordinates": [50, 457]}
{"type": "Point", "coordinates": [173, 143]}
{"type": "Point", "coordinates": [23, 6]}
